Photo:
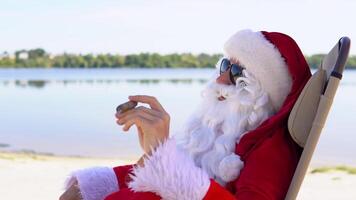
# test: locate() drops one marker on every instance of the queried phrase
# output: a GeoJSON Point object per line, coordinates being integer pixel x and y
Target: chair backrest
{"type": "Point", "coordinates": [310, 111]}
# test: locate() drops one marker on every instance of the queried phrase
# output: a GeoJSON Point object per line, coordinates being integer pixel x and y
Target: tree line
{"type": "Point", "coordinates": [39, 58]}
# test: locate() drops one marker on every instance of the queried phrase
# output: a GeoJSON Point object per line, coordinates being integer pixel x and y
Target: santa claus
{"type": "Point", "coordinates": [236, 145]}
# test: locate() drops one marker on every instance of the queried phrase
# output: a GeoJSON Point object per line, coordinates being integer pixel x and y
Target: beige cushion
{"type": "Point", "coordinates": [302, 115]}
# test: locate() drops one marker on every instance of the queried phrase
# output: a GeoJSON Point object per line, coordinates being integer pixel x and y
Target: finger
{"type": "Point", "coordinates": [135, 113]}
{"type": "Point", "coordinates": [140, 136]}
{"type": "Point", "coordinates": [150, 100]}
{"type": "Point", "coordinates": [162, 115]}
{"type": "Point", "coordinates": [140, 108]}
{"type": "Point", "coordinates": [151, 111]}
{"type": "Point", "coordinates": [72, 193]}
{"type": "Point", "coordinates": [139, 121]}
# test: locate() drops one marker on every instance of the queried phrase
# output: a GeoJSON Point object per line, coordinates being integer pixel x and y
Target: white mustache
{"type": "Point", "coordinates": [214, 89]}
{"type": "Point", "coordinates": [217, 90]}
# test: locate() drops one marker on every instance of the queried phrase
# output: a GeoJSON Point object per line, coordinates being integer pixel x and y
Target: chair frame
{"type": "Point", "coordinates": [326, 99]}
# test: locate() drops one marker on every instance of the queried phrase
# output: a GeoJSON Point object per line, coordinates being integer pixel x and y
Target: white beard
{"type": "Point", "coordinates": [215, 128]}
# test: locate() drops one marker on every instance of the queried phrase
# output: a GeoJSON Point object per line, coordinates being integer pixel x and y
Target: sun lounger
{"type": "Point", "coordinates": [309, 114]}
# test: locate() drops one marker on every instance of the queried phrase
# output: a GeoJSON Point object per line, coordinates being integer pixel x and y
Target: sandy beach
{"type": "Point", "coordinates": [41, 177]}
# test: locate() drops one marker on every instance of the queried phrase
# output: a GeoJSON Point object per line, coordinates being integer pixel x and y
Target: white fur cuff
{"type": "Point", "coordinates": [172, 174]}
{"type": "Point", "coordinates": [94, 183]}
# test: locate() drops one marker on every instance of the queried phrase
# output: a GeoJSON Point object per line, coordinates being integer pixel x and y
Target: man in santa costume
{"type": "Point", "coordinates": [236, 145]}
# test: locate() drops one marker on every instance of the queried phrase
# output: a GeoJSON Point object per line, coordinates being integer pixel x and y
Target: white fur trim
{"type": "Point", "coordinates": [94, 183]}
{"type": "Point", "coordinates": [264, 61]}
{"type": "Point", "coordinates": [172, 174]}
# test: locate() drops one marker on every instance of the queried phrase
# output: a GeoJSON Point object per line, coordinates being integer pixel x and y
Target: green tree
{"type": "Point", "coordinates": [40, 58]}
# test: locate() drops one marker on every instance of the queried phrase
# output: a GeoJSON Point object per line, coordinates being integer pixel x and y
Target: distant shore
{"type": "Point", "coordinates": [41, 176]}
{"type": "Point", "coordinates": [39, 58]}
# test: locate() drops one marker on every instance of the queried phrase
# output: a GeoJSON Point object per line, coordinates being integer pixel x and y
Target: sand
{"type": "Point", "coordinates": [41, 177]}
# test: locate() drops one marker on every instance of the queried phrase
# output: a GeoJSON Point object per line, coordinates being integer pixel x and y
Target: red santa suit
{"type": "Point", "coordinates": [269, 154]}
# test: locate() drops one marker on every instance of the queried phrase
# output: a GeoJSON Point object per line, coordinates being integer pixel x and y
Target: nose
{"type": "Point", "coordinates": [224, 78]}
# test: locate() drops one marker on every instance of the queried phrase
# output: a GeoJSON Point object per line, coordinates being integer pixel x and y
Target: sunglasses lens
{"type": "Point", "coordinates": [225, 63]}
{"type": "Point", "coordinates": [236, 71]}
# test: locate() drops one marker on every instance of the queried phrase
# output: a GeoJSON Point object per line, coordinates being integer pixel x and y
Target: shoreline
{"type": "Point", "coordinates": [314, 164]}
{"type": "Point", "coordinates": [34, 154]}
{"type": "Point", "coordinates": [38, 156]}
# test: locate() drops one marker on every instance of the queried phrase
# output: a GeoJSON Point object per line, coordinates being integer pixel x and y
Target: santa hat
{"type": "Point", "coordinates": [260, 54]}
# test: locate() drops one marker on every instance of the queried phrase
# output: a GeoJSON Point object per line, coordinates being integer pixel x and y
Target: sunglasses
{"type": "Point", "coordinates": [235, 69]}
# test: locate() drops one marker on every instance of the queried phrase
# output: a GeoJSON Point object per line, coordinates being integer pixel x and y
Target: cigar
{"type": "Point", "coordinates": [126, 106]}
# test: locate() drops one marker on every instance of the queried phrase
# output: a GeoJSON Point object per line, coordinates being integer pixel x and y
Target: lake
{"type": "Point", "coordinates": [71, 111]}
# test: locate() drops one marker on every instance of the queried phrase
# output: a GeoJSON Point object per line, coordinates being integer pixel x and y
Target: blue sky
{"type": "Point", "coordinates": [135, 26]}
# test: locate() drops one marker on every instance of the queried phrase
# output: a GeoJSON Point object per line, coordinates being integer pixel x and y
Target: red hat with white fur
{"type": "Point", "coordinates": [264, 60]}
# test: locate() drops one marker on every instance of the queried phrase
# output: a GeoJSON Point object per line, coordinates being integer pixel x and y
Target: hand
{"type": "Point", "coordinates": [152, 124]}
{"type": "Point", "coordinates": [72, 193]}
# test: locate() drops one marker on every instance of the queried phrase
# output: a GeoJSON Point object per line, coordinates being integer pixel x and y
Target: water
{"type": "Point", "coordinates": [71, 111]}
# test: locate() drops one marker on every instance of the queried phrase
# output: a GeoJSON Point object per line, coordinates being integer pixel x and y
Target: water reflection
{"type": "Point", "coordinates": [71, 112]}
{"type": "Point", "coordinates": [39, 84]}
{"type": "Point", "coordinates": [36, 83]}
{"type": "Point", "coordinates": [4, 145]}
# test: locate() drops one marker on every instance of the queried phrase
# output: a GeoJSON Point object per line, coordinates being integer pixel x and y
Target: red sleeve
{"type": "Point", "coordinates": [127, 194]}
{"type": "Point", "coordinates": [123, 175]}
{"type": "Point", "coordinates": [216, 191]}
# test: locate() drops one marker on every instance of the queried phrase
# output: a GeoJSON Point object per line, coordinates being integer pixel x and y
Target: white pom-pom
{"type": "Point", "coordinates": [230, 167]}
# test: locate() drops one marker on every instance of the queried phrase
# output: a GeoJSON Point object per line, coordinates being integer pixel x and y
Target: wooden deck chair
{"type": "Point", "coordinates": [309, 113]}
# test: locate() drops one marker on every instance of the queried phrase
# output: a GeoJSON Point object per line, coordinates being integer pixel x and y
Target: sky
{"type": "Point", "coordinates": [168, 26]}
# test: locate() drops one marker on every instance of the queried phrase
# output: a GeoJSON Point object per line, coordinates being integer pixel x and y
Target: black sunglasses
{"type": "Point", "coordinates": [235, 69]}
